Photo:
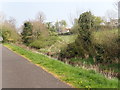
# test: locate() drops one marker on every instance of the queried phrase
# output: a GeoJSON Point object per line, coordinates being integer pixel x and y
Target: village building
{"type": "Point", "coordinates": [1, 38]}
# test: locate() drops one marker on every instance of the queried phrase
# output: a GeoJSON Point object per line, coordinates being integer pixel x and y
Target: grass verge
{"type": "Point", "coordinates": [76, 76]}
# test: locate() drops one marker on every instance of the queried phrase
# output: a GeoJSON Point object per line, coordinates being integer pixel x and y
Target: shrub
{"type": "Point", "coordinates": [9, 33]}
{"type": "Point", "coordinates": [44, 42]}
{"type": "Point", "coordinates": [27, 33]}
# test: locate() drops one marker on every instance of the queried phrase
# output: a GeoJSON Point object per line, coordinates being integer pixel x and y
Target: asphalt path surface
{"type": "Point", "coordinates": [0, 66]}
{"type": "Point", "coordinates": [17, 72]}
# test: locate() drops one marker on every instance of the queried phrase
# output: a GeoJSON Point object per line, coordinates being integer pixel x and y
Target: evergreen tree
{"type": "Point", "coordinates": [27, 33]}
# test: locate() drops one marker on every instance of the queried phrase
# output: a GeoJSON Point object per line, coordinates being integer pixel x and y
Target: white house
{"type": "Point", "coordinates": [1, 38]}
{"type": "Point", "coordinates": [64, 30]}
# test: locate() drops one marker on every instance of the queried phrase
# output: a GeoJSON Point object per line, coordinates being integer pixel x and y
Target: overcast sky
{"type": "Point", "coordinates": [54, 10]}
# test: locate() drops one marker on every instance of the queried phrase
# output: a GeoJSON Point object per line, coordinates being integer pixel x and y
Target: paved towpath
{"type": "Point", "coordinates": [17, 72]}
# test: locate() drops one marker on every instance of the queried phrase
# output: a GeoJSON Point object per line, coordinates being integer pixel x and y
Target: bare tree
{"type": "Point", "coordinates": [12, 21]}
{"type": "Point", "coordinates": [2, 17]}
{"type": "Point", "coordinates": [39, 30]}
{"type": "Point", "coordinates": [111, 14]}
{"type": "Point", "coordinates": [72, 17]}
{"type": "Point", "coordinates": [116, 5]}
{"type": "Point", "coordinates": [40, 17]}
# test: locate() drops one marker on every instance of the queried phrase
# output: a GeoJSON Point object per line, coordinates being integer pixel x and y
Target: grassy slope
{"type": "Point", "coordinates": [61, 43]}
{"type": "Point", "coordinates": [78, 77]}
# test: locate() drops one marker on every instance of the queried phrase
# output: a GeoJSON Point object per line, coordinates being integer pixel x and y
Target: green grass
{"type": "Point", "coordinates": [44, 42]}
{"type": "Point", "coordinates": [112, 66]}
{"type": "Point", "coordinates": [88, 61]}
{"type": "Point", "coordinates": [78, 77]}
{"type": "Point", "coordinates": [68, 38]}
{"type": "Point", "coordinates": [59, 44]}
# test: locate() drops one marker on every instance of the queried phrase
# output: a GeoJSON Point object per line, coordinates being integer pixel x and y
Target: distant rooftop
{"type": "Point", "coordinates": [1, 38]}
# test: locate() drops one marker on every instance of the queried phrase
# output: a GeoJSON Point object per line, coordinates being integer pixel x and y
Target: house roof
{"type": "Point", "coordinates": [1, 38]}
